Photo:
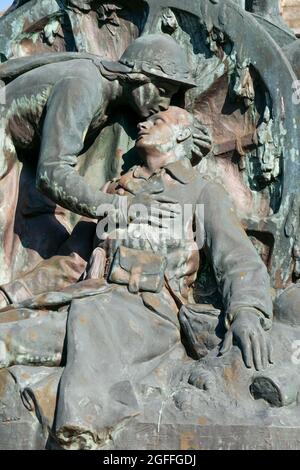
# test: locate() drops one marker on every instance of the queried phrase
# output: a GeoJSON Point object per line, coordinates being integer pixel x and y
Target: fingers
{"type": "Point", "coordinates": [227, 343]}
{"type": "Point", "coordinates": [253, 342]}
{"type": "Point", "coordinates": [160, 198]}
{"type": "Point", "coordinates": [152, 221]}
{"type": "Point", "coordinates": [245, 347]}
{"type": "Point", "coordinates": [203, 144]}
{"type": "Point", "coordinates": [256, 351]}
{"type": "Point", "coordinates": [197, 151]}
{"type": "Point", "coordinates": [270, 351]}
{"type": "Point", "coordinates": [163, 211]}
{"type": "Point", "coordinates": [172, 208]}
{"type": "Point", "coordinates": [263, 350]}
{"type": "Point", "coordinates": [155, 203]}
{"type": "Point", "coordinates": [145, 217]}
{"type": "Point", "coordinates": [204, 137]}
{"type": "Point", "coordinates": [156, 218]}
{"type": "Point", "coordinates": [203, 128]}
{"type": "Point", "coordinates": [160, 212]}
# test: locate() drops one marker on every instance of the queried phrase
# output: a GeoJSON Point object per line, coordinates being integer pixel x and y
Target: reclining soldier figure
{"type": "Point", "coordinates": [125, 335]}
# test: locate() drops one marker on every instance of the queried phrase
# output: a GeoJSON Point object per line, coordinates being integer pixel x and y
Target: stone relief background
{"type": "Point", "coordinates": [243, 95]}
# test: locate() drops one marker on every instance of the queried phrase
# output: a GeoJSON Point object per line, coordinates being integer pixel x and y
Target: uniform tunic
{"type": "Point", "coordinates": [123, 345]}
{"type": "Point", "coordinates": [57, 105]}
{"type": "Point", "coordinates": [47, 115]}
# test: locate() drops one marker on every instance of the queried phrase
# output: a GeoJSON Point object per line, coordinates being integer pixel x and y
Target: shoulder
{"type": "Point", "coordinates": [82, 76]}
{"type": "Point", "coordinates": [211, 190]}
{"type": "Point", "coordinates": [205, 181]}
{"type": "Point", "coordinates": [82, 69]}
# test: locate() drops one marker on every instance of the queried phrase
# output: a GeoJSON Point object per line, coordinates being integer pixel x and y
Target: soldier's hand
{"type": "Point", "coordinates": [96, 265]}
{"type": "Point", "coordinates": [246, 331]}
{"type": "Point", "coordinates": [154, 209]}
{"type": "Point", "coordinates": [202, 141]}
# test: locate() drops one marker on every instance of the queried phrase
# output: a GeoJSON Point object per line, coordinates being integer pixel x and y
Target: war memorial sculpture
{"type": "Point", "coordinates": [149, 225]}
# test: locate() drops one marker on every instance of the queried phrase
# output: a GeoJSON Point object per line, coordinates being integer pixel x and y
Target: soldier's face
{"type": "Point", "coordinates": [153, 97]}
{"type": "Point", "coordinates": [159, 134]}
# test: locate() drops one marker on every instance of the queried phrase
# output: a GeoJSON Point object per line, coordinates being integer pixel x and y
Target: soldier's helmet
{"type": "Point", "coordinates": [156, 55]}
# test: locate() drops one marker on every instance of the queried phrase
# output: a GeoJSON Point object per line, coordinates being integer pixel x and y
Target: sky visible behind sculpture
{"type": "Point", "coordinates": [5, 4]}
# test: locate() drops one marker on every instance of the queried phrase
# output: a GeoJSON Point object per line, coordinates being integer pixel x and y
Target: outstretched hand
{"type": "Point", "coordinates": [202, 141]}
{"type": "Point", "coordinates": [152, 208]}
{"type": "Point", "coordinates": [246, 331]}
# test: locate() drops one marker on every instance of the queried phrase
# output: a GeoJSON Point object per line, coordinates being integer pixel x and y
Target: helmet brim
{"type": "Point", "coordinates": [118, 67]}
{"type": "Point", "coordinates": [115, 67]}
{"type": "Point", "coordinates": [176, 80]}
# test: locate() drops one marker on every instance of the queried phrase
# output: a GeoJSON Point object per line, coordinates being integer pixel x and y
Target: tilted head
{"type": "Point", "coordinates": [157, 67]}
{"type": "Point", "coordinates": [173, 132]}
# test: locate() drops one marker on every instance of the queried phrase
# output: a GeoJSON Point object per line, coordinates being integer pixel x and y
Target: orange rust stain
{"type": "Point", "coordinates": [278, 280]}
{"type": "Point", "coordinates": [83, 320]}
{"type": "Point", "coordinates": [231, 378]}
{"type": "Point", "coordinates": [10, 185]}
{"type": "Point", "coordinates": [155, 302]}
{"type": "Point", "coordinates": [33, 336]}
{"type": "Point", "coordinates": [46, 396]}
{"type": "Point", "coordinates": [10, 316]}
{"type": "Point", "coordinates": [188, 441]}
{"type": "Point", "coordinates": [160, 372]}
{"type": "Point", "coordinates": [119, 153]}
{"type": "Point", "coordinates": [228, 376]}
{"type": "Point", "coordinates": [25, 376]}
{"type": "Point", "coordinates": [8, 341]}
{"type": "Point", "coordinates": [202, 420]}
{"type": "Point", "coordinates": [4, 376]}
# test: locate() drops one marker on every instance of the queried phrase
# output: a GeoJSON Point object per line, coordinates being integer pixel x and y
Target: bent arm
{"type": "Point", "coordinates": [70, 110]}
{"type": "Point", "coordinates": [241, 275]}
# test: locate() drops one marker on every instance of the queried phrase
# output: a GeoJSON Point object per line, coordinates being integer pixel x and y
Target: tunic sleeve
{"type": "Point", "coordinates": [241, 275]}
{"type": "Point", "coordinates": [71, 108]}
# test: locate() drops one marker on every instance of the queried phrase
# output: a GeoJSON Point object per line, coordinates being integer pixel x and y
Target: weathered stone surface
{"type": "Point", "coordinates": [290, 10]}
{"type": "Point", "coordinates": [19, 429]}
{"type": "Point", "coordinates": [199, 437]}
{"type": "Point", "coordinates": [105, 318]}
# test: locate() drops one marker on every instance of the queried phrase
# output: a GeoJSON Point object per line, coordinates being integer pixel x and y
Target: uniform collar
{"type": "Point", "coordinates": [181, 170]}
